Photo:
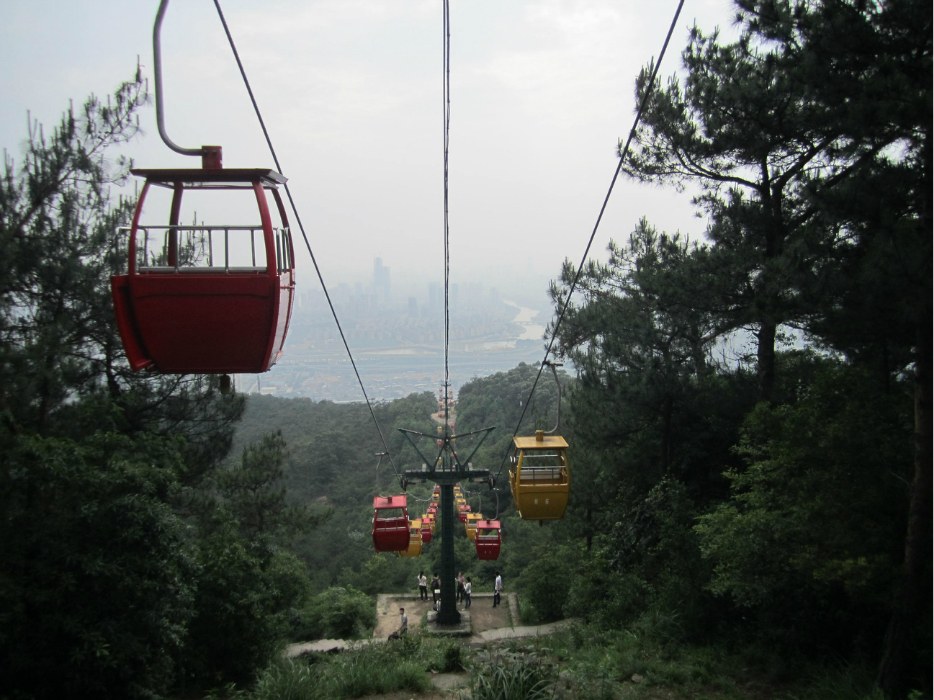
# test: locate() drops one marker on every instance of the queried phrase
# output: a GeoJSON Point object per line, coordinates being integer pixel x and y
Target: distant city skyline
{"type": "Point", "coordinates": [396, 352]}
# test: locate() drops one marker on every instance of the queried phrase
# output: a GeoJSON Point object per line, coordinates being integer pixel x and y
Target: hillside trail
{"type": "Point", "coordinates": [487, 624]}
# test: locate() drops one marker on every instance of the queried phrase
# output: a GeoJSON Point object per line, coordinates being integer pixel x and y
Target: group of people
{"type": "Point", "coordinates": [464, 586]}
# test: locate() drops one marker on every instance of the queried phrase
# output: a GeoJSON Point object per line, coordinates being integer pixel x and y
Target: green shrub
{"type": "Point", "coordinates": [660, 626]}
{"type": "Point", "coordinates": [545, 584]}
{"type": "Point", "coordinates": [605, 597]}
{"type": "Point", "coordinates": [453, 657]}
{"type": "Point", "coordinates": [241, 613]}
{"type": "Point", "coordinates": [337, 613]}
{"type": "Point", "coordinates": [841, 683]}
{"type": "Point", "coordinates": [96, 586]}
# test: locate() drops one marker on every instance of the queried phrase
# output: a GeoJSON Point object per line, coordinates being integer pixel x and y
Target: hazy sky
{"type": "Point", "coordinates": [541, 90]}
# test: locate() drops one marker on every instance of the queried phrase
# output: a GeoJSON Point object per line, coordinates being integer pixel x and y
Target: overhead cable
{"type": "Point", "coordinates": [298, 220]}
{"type": "Point", "coordinates": [622, 157]}
{"type": "Point", "coordinates": [446, 99]}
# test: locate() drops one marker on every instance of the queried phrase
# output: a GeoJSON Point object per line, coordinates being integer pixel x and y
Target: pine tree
{"type": "Point", "coordinates": [745, 130]}
{"type": "Point", "coordinates": [875, 287]}
{"type": "Point", "coordinates": [647, 377]}
{"type": "Point", "coordinates": [811, 140]}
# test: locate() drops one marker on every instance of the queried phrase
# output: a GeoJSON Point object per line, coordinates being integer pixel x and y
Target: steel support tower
{"type": "Point", "coordinates": [446, 470]}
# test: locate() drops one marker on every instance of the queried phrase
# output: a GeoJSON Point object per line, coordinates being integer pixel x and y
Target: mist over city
{"type": "Point", "coordinates": [395, 330]}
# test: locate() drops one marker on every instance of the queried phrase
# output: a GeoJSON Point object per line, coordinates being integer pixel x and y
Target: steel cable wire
{"type": "Point", "coordinates": [301, 228]}
{"type": "Point", "coordinates": [622, 157]}
{"type": "Point", "coordinates": [446, 99]}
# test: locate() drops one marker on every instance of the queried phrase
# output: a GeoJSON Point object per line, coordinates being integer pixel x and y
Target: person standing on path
{"type": "Point", "coordinates": [467, 588]}
{"type": "Point", "coordinates": [435, 588]}
{"type": "Point", "coordinates": [460, 586]}
{"type": "Point", "coordinates": [497, 589]}
{"type": "Point", "coordinates": [422, 586]}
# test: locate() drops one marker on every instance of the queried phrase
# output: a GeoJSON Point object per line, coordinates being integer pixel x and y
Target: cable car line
{"type": "Point", "coordinates": [446, 99]}
{"type": "Point", "coordinates": [446, 118]}
{"type": "Point", "coordinates": [301, 228]}
{"type": "Point", "coordinates": [378, 462]}
{"type": "Point", "coordinates": [623, 153]}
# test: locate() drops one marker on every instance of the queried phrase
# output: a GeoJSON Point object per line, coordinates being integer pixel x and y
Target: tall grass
{"type": "Point", "coordinates": [368, 669]}
{"type": "Point", "coordinates": [597, 664]}
{"type": "Point", "coordinates": [843, 682]}
{"type": "Point", "coordinates": [598, 660]}
{"type": "Point", "coordinates": [288, 680]}
{"type": "Point", "coordinates": [357, 675]}
{"type": "Point", "coordinates": [507, 676]}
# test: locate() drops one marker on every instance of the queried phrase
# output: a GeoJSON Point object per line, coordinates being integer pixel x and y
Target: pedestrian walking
{"type": "Point", "coordinates": [460, 586]}
{"type": "Point", "coordinates": [435, 589]}
{"type": "Point", "coordinates": [467, 587]}
{"type": "Point", "coordinates": [497, 589]}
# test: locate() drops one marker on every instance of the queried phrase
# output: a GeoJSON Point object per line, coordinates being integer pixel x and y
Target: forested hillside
{"type": "Point", "coordinates": [331, 466]}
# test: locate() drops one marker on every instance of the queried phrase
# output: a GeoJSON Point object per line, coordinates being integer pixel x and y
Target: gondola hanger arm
{"type": "Point", "coordinates": [554, 371]}
{"type": "Point", "coordinates": [211, 156]}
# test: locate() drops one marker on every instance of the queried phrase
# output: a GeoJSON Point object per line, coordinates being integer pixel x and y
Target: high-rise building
{"type": "Point", "coordinates": [435, 296]}
{"type": "Point", "coordinates": [381, 283]}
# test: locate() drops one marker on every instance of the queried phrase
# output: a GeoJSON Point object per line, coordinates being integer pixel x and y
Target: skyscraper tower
{"type": "Point", "coordinates": [381, 283]}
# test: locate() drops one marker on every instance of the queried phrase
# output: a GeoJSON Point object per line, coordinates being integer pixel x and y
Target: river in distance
{"type": "Point", "coordinates": [394, 372]}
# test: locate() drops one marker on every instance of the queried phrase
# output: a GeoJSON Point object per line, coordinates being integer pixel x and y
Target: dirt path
{"type": "Point", "coordinates": [483, 616]}
{"type": "Point", "coordinates": [387, 614]}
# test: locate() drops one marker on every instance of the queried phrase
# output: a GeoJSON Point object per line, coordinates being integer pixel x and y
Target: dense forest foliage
{"type": "Point", "coordinates": [749, 411]}
{"type": "Point", "coordinates": [132, 563]}
{"type": "Point", "coordinates": [781, 495]}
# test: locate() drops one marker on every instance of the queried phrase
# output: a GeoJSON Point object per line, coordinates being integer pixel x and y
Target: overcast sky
{"type": "Point", "coordinates": [541, 91]}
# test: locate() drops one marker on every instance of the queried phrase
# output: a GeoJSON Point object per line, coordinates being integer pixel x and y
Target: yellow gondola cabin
{"type": "Point", "coordinates": [415, 540]}
{"type": "Point", "coordinates": [472, 520]}
{"type": "Point", "coordinates": [540, 478]}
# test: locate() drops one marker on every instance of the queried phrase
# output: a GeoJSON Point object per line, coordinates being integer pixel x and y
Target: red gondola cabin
{"type": "Point", "coordinates": [207, 299]}
{"type": "Point", "coordinates": [390, 523]}
{"type": "Point", "coordinates": [426, 529]}
{"type": "Point", "coordinates": [488, 539]}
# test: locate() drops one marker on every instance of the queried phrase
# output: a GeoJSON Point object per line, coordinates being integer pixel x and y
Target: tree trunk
{"type": "Point", "coordinates": [766, 359]}
{"type": "Point", "coordinates": [589, 520]}
{"type": "Point", "coordinates": [667, 410]}
{"type": "Point", "coordinates": [894, 671]}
